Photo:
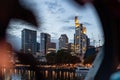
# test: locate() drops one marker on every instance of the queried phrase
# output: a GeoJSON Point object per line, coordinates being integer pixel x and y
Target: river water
{"type": "Point", "coordinates": [47, 75]}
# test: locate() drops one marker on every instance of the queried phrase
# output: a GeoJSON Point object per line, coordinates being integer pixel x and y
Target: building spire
{"type": "Point", "coordinates": [76, 21]}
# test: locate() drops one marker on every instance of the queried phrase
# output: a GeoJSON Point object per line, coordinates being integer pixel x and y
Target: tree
{"type": "Point", "coordinates": [90, 58]}
{"type": "Point", "coordinates": [61, 57]}
{"type": "Point", "coordinates": [51, 58]}
{"type": "Point", "coordinates": [64, 57]}
{"type": "Point", "coordinates": [75, 59]}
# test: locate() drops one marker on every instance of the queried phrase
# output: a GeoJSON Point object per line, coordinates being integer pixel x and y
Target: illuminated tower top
{"type": "Point", "coordinates": [76, 21]}
{"type": "Point", "coordinates": [84, 30]}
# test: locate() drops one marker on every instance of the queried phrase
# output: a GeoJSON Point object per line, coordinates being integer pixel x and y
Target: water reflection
{"type": "Point", "coordinates": [58, 75]}
{"type": "Point", "coordinates": [48, 75]}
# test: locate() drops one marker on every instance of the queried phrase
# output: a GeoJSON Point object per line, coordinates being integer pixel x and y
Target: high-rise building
{"type": "Point", "coordinates": [52, 47]}
{"type": "Point", "coordinates": [88, 42]}
{"type": "Point", "coordinates": [80, 38]}
{"type": "Point", "coordinates": [63, 42]}
{"type": "Point", "coordinates": [29, 44]}
{"type": "Point", "coordinates": [45, 43]}
{"type": "Point", "coordinates": [71, 48]}
{"type": "Point", "coordinates": [38, 47]}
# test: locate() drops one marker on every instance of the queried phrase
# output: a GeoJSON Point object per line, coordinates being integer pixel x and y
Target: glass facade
{"type": "Point", "coordinates": [45, 42]}
{"type": "Point", "coordinates": [29, 44]}
{"type": "Point", "coordinates": [63, 42]}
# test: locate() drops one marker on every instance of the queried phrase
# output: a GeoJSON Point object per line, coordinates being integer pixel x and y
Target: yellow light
{"type": "Point", "coordinates": [76, 22]}
{"type": "Point", "coordinates": [77, 37]}
{"type": "Point", "coordinates": [84, 30]}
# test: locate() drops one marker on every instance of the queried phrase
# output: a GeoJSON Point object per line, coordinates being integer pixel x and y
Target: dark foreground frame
{"type": "Point", "coordinates": [109, 13]}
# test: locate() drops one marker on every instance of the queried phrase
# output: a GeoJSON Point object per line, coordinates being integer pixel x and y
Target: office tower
{"type": "Point", "coordinates": [63, 42]}
{"type": "Point", "coordinates": [80, 38]}
{"type": "Point", "coordinates": [71, 48]}
{"type": "Point", "coordinates": [38, 47]}
{"type": "Point", "coordinates": [52, 48]}
{"type": "Point", "coordinates": [45, 43]}
{"type": "Point", "coordinates": [29, 44]}
{"type": "Point", "coordinates": [88, 42]}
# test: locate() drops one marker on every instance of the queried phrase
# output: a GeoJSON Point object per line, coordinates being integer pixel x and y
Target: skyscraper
{"type": "Point", "coordinates": [80, 38]}
{"type": "Point", "coordinates": [45, 42]}
{"type": "Point", "coordinates": [52, 47]}
{"type": "Point", "coordinates": [38, 47]}
{"type": "Point", "coordinates": [29, 44]}
{"type": "Point", "coordinates": [63, 42]}
{"type": "Point", "coordinates": [71, 48]}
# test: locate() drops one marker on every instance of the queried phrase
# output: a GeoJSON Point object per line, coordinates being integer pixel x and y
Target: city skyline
{"type": "Point", "coordinates": [78, 48]}
{"type": "Point", "coordinates": [29, 35]}
{"type": "Point", "coordinates": [54, 19]}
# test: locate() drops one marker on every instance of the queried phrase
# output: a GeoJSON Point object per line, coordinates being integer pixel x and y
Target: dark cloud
{"type": "Point", "coordinates": [66, 21]}
{"type": "Point", "coordinates": [53, 33]}
{"type": "Point", "coordinates": [87, 24]}
{"type": "Point", "coordinates": [54, 7]}
{"type": "Point", "coordinates": [73, 17]}
{"type": "Point", "coordinates": [14, 27]}
{"type": "Point", "coordinates": [61, 10]}
{"type": "Point", "coordinates": [15, 41]}
{"type": "Point", "coordinates": [68, 28]}
{"type": "Point", "coordinates": [42, 29]}
{"type": "Point", "coordinates": [28, 3]}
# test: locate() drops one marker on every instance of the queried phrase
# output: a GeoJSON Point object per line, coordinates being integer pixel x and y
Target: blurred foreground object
{"type": "Point", "coordinates": [6, 58]}
{"type": "Point", "coordinates": [109, 13]}
{"type": "Point", "coordinates": [115, 76]}
{"type": "Point", "coordinates": [10, 9]}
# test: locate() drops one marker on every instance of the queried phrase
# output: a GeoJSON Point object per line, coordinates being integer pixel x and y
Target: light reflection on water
{"type": "Point", "coordinates": [48, 75]}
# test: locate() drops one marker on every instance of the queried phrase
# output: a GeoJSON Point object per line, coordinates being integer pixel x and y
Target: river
{"type": "Point", "coordinates": [47, 75]}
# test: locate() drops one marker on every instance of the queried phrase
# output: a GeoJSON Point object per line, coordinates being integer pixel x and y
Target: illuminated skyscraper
{"type": "Point", "coordinates": [45, 42]}
{"type": "Point", "coordinates": [29, 44]}
{"type": "Point", "coordinates": [71, 48]}
{"type": "Point", "coordinates": [80, 38]}
{"type": "Point", "coordinates": [77, 24]}
{"type": "Point", "coordinates": [63, 42]}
